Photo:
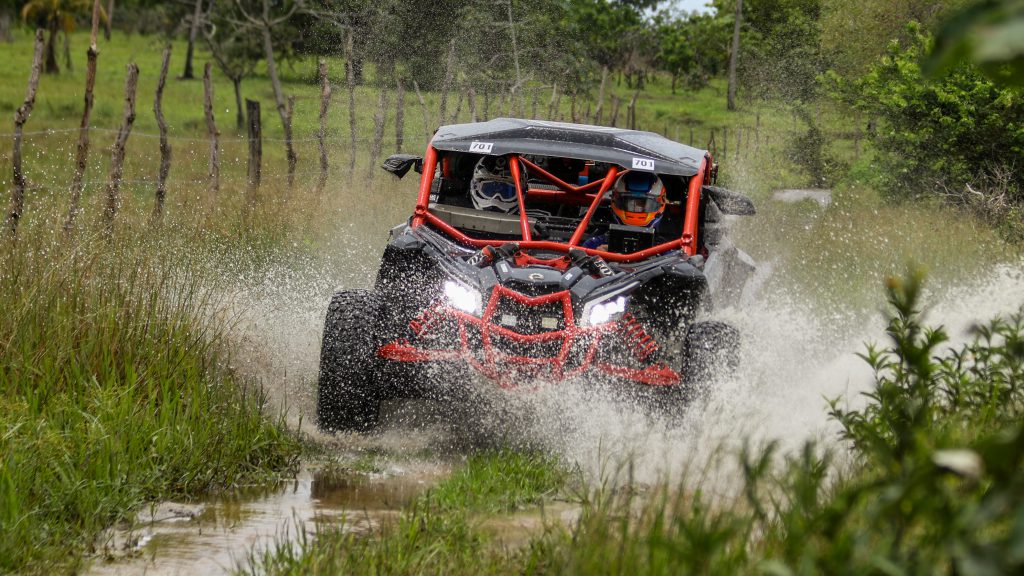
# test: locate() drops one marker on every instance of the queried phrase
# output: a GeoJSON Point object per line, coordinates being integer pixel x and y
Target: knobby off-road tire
{"type": "Point", "coordinates": [350, 389]}
{"type": "Point", "coordinates": [711, 350]}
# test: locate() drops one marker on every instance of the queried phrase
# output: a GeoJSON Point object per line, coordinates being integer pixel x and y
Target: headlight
{"type": "Point", "coordinates": [462, 297]}
{"type": "Point", "coordinates": [605, 311]}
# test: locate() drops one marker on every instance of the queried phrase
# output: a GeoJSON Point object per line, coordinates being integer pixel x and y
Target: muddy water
{"type": "Point", "coordinates": [216, 536]}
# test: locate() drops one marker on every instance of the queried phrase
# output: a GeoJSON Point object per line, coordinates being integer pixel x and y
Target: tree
{"type": "Point", "coordinates": [734, 55]}
{"type": "Point", "coordinates": [235, 50]}
{"type": "Point", "coordinates": [54, 16]}
{"type": "Point", "coordinates": [265, 21]}
{"type": "Point", "coordinates": [193, 30]}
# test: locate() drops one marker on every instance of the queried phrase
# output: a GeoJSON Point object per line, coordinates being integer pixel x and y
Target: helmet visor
{"type": "Point", "coordinates": [498, 189]}
{"type": "Point", "coordinates": [633, 203]}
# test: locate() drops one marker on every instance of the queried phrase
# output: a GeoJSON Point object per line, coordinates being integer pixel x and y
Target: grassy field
{"type": "Point", "coordinates": [116, 376]}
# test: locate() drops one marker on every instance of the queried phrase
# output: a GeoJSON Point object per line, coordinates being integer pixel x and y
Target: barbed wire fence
{"type": "Point", "coordinates": [192, 151]}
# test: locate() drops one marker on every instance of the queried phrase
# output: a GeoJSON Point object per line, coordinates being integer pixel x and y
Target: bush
{"type": "Point", "coordinates": [942, 134]}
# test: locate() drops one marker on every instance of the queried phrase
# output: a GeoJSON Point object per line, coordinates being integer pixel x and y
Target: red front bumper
{"type": "Point", "coordinates": [444, 334]}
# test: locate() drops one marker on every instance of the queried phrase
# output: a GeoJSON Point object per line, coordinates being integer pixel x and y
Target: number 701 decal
{"type": "Point", "coordinates": [481, 147]}
{"type": "Point", "coordinates": [643, 164]}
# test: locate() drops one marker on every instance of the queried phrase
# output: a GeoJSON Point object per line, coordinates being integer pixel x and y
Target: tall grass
{"type": "Point", "coordinates": [114, 390]}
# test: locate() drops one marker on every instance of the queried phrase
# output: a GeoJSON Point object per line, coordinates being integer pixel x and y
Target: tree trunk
{"type": "Point", "coordinates": [400, 115]}
{"type": "Point", "coordinates": [471, 102]}
{"type": "Point", "coordinates": [600, 95]}
{"type": "Point", "coordinates": [734, 56]}
{"type": "Point", "coordinates": [82, 151]}
{"type": "Point", "coordinates": [51, 50]}
{"type": "Point", "coordinates": [321, 134]}
{"type": "Point", "coordinates": [5, 26]}
{"type": "Point", "coordinates": [110, 20]}
{"type": "Point", "coordinates": [118, 150]}
{"type": "Point", "coordinates": [279, 99]}
{"type": "Point", "coordinates": [197, 13]}
{"type": "Point", "coordinates": [68, 65]}
{"type": "Point", "coordinates": [165, 146]}
{"type": "Point", "coordinates": [20, 117]}
{"type": "Point", "coordinates": [236, 82]}
{"type": "Point", "coordinates": [255, 133]}
{"type": "Point", "coordinates": [449, 71]}
{"type": "Point", "coordinates": [211, 130]}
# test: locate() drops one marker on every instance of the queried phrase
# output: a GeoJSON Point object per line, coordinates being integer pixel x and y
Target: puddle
{"type": "Point", "coordinates": [517, 530]}
{"type": "Point", "coordinates": [217, 536]}
{"type": "Point", "coordinates": [820, 195]}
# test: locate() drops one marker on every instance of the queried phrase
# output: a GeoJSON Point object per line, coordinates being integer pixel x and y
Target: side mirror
{"type": "Point", "coordinates": [729, 202]}
{"type": "Point", "coordinates": [399, 164]}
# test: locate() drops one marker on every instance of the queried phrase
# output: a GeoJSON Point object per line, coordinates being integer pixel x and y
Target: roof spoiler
{"type": "Point", "coordinates": [729, 202]}
{"type": "Point", "coordinates": [399, 164]}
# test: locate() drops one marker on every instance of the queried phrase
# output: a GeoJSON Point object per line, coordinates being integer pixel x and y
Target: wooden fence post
{"type": "Point", "coordinates": [20, 117]}
{"type": "Point", "coordinates": [616, 103]}
{"type": "Point", "coordinates": [255, 137]}
{"type": "Point", "coordinates": [379, 119]}
{"type": "Point", "coordinates": [321, 133]}
{"type": "Point", "coordinates": [350, 79]}
{"type": "Point", "coordinates": [399, 115]}
{"type": "Point", "coordinates": [211, 130]}
{"type": "Point", "coordinates": [82, 150]}
{"type": "Point", "coordinates": [117, 152]}
{"type": "Point", "coordinates": [471, 96]}
{"type": "Point", "coordinates": [487, 104]}
{"type": "Point", "coordinates": [165, 146]}
{"type": "Point", "coordinates": [533, 104]}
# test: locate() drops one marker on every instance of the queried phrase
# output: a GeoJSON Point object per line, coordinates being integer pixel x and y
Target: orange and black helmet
{"type": "Point", "coordinates": [638, 199]}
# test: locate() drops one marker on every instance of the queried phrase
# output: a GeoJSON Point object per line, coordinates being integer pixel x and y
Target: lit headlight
{"type": "Point", "coordinates": [462, 297]}
{"type": "Point", "coordinates": [605, 311]}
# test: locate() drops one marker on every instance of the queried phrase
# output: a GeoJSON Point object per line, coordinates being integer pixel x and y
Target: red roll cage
{"type": "Point", "coordinates": [584, 195]}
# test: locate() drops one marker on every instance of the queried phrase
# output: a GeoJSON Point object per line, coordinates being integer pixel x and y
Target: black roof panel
{"type": "Point", "coordinates": [633, 149]}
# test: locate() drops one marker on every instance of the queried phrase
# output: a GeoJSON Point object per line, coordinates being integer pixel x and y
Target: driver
{"type": "Point", "coordinates": [492, 187]}
{"type": "Point", "coordinates": [638, 199]}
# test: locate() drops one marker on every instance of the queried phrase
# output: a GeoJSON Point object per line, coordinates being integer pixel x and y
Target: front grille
{"type": "Point", "coordinates": [526, 319]}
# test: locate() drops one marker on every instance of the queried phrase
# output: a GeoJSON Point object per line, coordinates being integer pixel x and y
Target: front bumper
{"type": "Point", "coordinates": [510, 354]}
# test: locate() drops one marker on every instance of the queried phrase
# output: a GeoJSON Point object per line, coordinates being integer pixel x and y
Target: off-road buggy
{"type": "Point", "coordinates": [516, 298]}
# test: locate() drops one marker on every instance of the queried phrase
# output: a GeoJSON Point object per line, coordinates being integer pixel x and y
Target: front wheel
{"type": "Point", "coordinates": [711, 350]}
{"type": "Point", "coordinates": [350, 390]}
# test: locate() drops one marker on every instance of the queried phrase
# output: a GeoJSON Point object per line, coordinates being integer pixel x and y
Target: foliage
{"type": "Point", "coordinates": [780, 55]}
{"type": "Point", "coordinates": [855, 35]}
{"type": "Point", "coordinates": [991, 34]}
{"type": "Point", "coordinates": [937, 134]}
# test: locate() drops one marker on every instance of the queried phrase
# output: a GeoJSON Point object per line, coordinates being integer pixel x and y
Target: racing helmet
{"type": "Point", "coordinates": [638, 199]}
{"type": "Point", "coordinates": [492, 186]}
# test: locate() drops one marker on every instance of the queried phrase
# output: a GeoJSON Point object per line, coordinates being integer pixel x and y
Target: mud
{"type": "Point", "coordinates": [217, 536]}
